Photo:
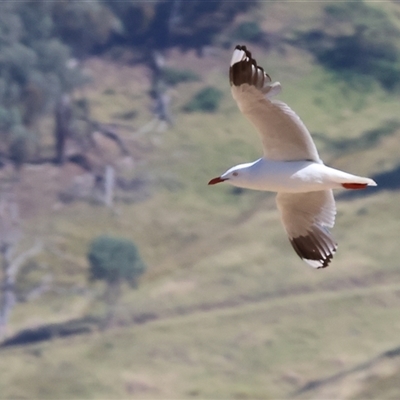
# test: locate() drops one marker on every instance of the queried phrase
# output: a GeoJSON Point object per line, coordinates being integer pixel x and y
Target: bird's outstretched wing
{"type": "Point", "coordinates": [283, 134]}
{"type": "Point", "coordinates": [306, 218]}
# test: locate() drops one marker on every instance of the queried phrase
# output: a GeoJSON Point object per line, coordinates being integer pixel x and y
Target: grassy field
{"type": "Point", "coordinates": [226, 309]}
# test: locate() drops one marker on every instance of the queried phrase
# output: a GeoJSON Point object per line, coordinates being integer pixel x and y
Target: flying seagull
{"type": "Point", "coordinates": [290, 165]}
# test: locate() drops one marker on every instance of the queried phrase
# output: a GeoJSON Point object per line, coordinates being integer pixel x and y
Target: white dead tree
{"type": "Point", "coordinates": [160, 96]}
{"type": "Point", "coordinates": [109, 183]}
{"type": "Point", "coordinates": [63, 118]}
{"type": "Point", "coordinates": [10, 235]}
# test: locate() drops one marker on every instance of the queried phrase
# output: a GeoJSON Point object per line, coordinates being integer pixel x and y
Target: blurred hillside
{"type": "Point", "coordinates": [224, 309]}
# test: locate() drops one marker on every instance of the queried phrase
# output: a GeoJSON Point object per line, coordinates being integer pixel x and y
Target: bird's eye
{"type": "Point", "coordinates": [235, 173]}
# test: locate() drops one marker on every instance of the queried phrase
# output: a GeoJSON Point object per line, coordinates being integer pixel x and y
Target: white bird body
{"type": "Point", "coordinates": [289, 176]}
{"type": "Point", "coordinates": [290, 165]}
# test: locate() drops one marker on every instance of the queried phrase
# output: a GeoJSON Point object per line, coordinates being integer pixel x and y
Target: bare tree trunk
{"type": "Point", "coordinates": [8, 298]}
{"type": "Point", "coordinates": [109, 184]}
{"type": "Point", "coordinates": [110, 134]}
{"type": "Point", "coordinates": [161, 107]}
{"type": "Point", "coordinates": [10, 234]}
{"type": "Point", "coordinates": [111, 295]}
{"type": "Point", "coordinates": [10, 270]}
{"type": "Point", "coordinates": [63, 115]}
{"type": "Point", "coordinates": [9, 237]}
{"type": "Point", "coordinates": [175, 17]}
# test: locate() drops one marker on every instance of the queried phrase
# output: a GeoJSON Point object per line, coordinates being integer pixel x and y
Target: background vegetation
{"type": "Point", "coordinates": [360, 42]}
{"type": "Point", "coordinates": [224, 308]}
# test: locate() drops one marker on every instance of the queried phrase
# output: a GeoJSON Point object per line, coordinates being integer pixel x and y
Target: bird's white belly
{"type": "Point", "coordinates": [292, 177]}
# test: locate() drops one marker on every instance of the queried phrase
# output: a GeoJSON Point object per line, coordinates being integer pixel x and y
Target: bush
{"type": "Point", "coordinates": [206, 100]}
{"type": "Point", "coordinates": [365, 43]}
{"type": "Point", "coordinates": [114, 260]}
{"type": "Point", "coordinates": [174, 76]}
{"type": "Point", "coordinates": [249, 31]}
{"type": "Point", "coordinates": [358, 54]}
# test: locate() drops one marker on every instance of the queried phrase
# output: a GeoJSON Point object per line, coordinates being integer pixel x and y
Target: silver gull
{"type": "Point", "coordinates": [290, 165]}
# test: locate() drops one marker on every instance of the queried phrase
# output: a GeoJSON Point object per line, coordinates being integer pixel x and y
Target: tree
{"type": "Point", "coordinates": [86, 26]}
{"type": "Point", "coordinates": [35, 71]}
{"type": "Point", "coordinates": [164, 23]}
{"type": "Point", "coordinates": [152, 27]}
{"type": "Point", "coordinates": [114, 260]}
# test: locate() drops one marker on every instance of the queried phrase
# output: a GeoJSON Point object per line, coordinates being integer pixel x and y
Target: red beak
{"type": "Point", "coordinates": [216, 180]}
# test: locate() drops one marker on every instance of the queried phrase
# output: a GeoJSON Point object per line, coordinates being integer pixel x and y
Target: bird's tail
{"type": "Point", "coordinates": [358, 182]}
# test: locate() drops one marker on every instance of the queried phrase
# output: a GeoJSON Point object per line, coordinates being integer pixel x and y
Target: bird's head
{"type": "Point", "coordinates": [234, 175]}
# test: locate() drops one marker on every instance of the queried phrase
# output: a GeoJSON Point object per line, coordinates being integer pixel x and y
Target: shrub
{"type": "Point", "coordinates": [174, 76]}
{"type": "Point", "coordinates": [365, 43]}
{"type": "Point", "coordinates": [114, 260]}
{"type": "Point", "coordinates": [249, 31]}
{"type": "Point", "coordinates": [206, 100]}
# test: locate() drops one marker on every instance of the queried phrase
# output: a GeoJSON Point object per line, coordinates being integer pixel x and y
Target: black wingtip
{"type": "Point", "coordinates": [244, 48]}
{"type": "Point", "coordinates": [313, 251]}
{"type": "Point", "coordinates": [243, 71]}
{"type": "Point", "coordinates": [241, 47]}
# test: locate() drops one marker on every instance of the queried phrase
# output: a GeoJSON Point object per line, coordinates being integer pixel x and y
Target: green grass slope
{"type": "Point", "coordinates": [227, 308]}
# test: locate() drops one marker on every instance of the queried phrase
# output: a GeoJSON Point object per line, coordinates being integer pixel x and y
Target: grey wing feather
{"type": "Point", "coordinates": [284, 135]}
{"type": "Point", "coordinates": [306, 218]}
